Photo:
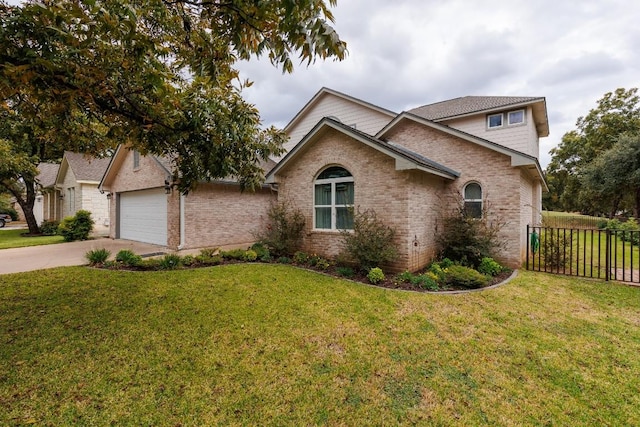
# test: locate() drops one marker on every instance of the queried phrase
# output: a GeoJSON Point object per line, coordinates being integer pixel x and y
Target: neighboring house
{"type": "Point", "coordinates": [345, 153]}
{"type": "Point", "coordinates": [146, 207]}
{"type": "Point", "coordinates": [77, 183]}
{"type": "Point", "coordinates": [48, 204]}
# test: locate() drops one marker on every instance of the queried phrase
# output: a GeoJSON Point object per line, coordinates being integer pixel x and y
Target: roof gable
{"type": "Point", "coordinates": [47, 174]}
{"type": "Point", "coordinates": [330, 92]}
{"type": "Point", "coordinates": [517, 158]}
{"type": "Point", "coordinates": [474, 105]}
{"type": "Point", "coordinates": [405, 158]}
{"type": "Point", "coordinates": [84, 167]}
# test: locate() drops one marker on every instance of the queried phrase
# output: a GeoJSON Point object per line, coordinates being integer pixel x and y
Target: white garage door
{"type": "Point", "coordinates": [143, 216]}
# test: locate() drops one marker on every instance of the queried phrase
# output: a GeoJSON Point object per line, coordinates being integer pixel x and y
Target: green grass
{"type": "Point", "coordinates": [14, 239]}
{"type": "Point", "coordinates": [274, 345]}
{"type": "Point", "coordinates": [570, 220]}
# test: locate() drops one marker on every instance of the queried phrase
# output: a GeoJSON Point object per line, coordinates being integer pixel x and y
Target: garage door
{"type": "Point", "coordinates": [143, 216]}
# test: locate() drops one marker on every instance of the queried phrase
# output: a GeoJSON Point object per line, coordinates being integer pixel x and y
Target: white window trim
{"type": "Point", "coordinates": [524, 118]}
{"type": "Point", "coordinates": [494, 115]}
{"type": "Point", "coordinates": [333, 205]}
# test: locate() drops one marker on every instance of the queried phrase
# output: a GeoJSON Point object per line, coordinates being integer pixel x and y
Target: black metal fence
{"type": "Point", "coordinates": [601, 254]}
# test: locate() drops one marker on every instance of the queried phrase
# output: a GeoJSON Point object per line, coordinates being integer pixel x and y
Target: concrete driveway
{"type": "Point", "coordinates": [64, 254]}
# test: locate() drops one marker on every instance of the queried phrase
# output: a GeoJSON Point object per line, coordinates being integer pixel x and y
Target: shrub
{"type": "Point", "coordinates": [261, 251]}
{"type": "Point", "coordinates": [345, 272]}
{"type": "Point", "coordinates": [169, 262]}
{"type": "Point", "coordinates": [404, 277]}
{"type": "Point", "coordinates": [237, 254]}
{"type": "Point", "coordinates": [322, 263]}
{"type": "Point", "coordinates": [370, 243]}
{"type": "Point", "coordinates": [300, 257]}
{"type": "Point", "coordinates": [284, 260]}
{"type": "Point", "coordinates": [465, 277]}
{"type": "Point", "coordinates": [250, 255]}
{"type": "Point", "coordinates": [555, 249]}
{"type": "Point", "coordinates": [129, 258]}
{"type": "Point", "coordinates": [437, 271]}
{"type": "Point", "coordinates": [208, 252]}
{"type": "Point", "coordinates": [208, 259]}
{"type": "Point", "coordinates": [629, 230]}
{"type": "Point", "coordinates": [76, 227]}
{"type": "Point", "coordinates": [11, 212]}
{"type": "Point", "coordinates": [466, 240]}
{"type": "Point", "coordinates": [97, 256]}
{"type": "Point", "coordinates": [283, 233]}
{"type": "Point", "coordinates": [425, 281]}
{"type": "Point", "coordinates": [49, 228]}
{"type": "Point", "coordinates": [188, 260]}
{"type": "Point", "coordinates": [446, 263]}
{"type": "Point", "coordinates": [375, 275]}
{"type": "Point", "coordinates": [489, 267]}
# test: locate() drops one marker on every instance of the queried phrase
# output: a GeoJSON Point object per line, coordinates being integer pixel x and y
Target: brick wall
{"type": "Point", "coordinates": [220, 215]}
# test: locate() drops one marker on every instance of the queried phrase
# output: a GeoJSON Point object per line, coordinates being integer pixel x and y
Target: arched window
{"type": "Point", "coordinates": [473, 200]}
{"type": "Point", "coordinates": [333, 199]}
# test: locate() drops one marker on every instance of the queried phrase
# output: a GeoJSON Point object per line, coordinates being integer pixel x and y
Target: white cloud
{"type": "Point", "coordinates": [413, 52]}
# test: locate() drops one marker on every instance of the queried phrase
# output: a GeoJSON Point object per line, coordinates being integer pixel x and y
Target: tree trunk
{"type": "Point", "coordinates": [26, 202]}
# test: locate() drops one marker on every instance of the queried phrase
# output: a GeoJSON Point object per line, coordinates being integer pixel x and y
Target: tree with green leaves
{"type": "Point", "coordinates": [156, 75]}
{"type": "Point", "coordinates": [617, 113]}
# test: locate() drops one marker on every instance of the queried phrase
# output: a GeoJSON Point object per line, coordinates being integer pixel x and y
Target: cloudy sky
{"type": "Point", "coordinates": [406, 53]}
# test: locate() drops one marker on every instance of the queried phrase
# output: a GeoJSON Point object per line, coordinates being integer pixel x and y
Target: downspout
{"type": "Point", "coordinates": [182, 226]}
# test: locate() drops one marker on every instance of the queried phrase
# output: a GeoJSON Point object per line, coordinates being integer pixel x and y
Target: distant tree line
{"type": "Point", "coordinates": [595, 169]}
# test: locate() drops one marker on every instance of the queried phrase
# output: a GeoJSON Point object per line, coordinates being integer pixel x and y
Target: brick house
{"type": "Point", "coordinates": [344, 152]}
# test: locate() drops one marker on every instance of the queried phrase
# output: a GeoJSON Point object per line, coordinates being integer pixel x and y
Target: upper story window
{"type": "Point", "coordinates": [498, 120]}
{"type": "Point", "coordinates": [136, 159]}
{"type": "Point", "coordinates": [333, 199]}
{"type": "Point", "coordinates": [473, 200]}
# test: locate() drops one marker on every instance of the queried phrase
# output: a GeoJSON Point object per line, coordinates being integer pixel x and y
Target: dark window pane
{"type": "Point", "coordinates": [473, 209]}
{"type": "Point", "coordinates": [473, 191]}
{"type": "Point", "coordinates": [323, 217]}
{"type": "Point", "coordinates": [334, 172]}
{"type": "Point", "coordinates": [344, 218]}
{"type": "Point", "coordinates": [323, 194]}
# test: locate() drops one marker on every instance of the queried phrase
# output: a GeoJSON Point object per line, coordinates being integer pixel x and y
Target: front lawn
{"type": "Point", "coordinates": [267, 344]}
{"type": "Point", "coordinates": [14, 239]}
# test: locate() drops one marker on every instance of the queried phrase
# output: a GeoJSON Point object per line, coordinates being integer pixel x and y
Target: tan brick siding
{"type": "Point", "coordinates": [220, 215]}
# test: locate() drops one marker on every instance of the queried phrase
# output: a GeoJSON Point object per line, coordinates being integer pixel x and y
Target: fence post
{"type": "Point", "coordinates": [528, 244]}
{"type": "Point", "coordinates": [607, 261]}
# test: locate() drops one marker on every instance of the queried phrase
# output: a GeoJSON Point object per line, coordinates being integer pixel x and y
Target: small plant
{"type": "Point", "coordinates": [188, 260]}
{"type": "Point", "coordinates": [405, 277]}
{"type": "Point", "coordinates": [283, 233]}
{"type": "Point", "coordinates": [49, 228]}
{"type": "Point", "coordinates": [129, 258]}
{"type": "Point", "coordinates": [284, 260]}
{"type": "Point", "coordinates": [169, 262]}
{"type": "Point", "coordinates": [465, 277]}
{"type": "Point", "coordinates": [76, 227]}
{"type": "Point", "coordinates": [345, 272]}
{"type": "Point", "coordinates": [300, 257]}
{"type": "Point", "coordinates": [555, 248]}
{"type": "Point", "coordinates": [97, 256]}
{"type": "Point", "coordinates": [250, 255]}
{"type": "Point", "coordinates": [208, 260]}
{"type": "Point", "coordinates": [375, 275]}
{"type": "Point", "coordinates": [236, 254]}
{"type": "Point", "coordinates": [425, 281]}
{"type": "Point", "coordinates": [262, 252]}
{"type": "Point", "coordinates": [489, 267]}
{"type": "Point", "coordinates": [322, 263]}
{"type": "Point", "coordinates": [446, 263]}
{"type": "Point", "coordinates": [208, 252]}
{"type": "Point", "coordinates": [437, 270]}
{"type": "Point", "coordinates": [370, 243]}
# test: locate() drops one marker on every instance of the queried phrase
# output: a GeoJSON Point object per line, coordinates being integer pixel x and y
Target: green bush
{"type": "Point", "coordinates": [425, 281]}
{"type": "Point", "coordinates": [437, 270]}
{"type": "Point", "coordinates": [345, 272]}
{"type": "Point", "coordinates": [250, 255]}
{"type": "Point", "coordinates": [97, 256]}
{"type": "Point", "coordinates": [375, 275]}
{"type": "Point", "coordinates": [208, 259]}
{"type": "Point", "coordinates": [370, 243]}
{"type": "Point", "coordinates": [465, 277]}
{"type": "Point", "coordinates": [170, 262]}
{"type": "Point", "coordinates": [49, 228]}
{"type": "Point", "coordinates": [629, 230]}
{"type": "Point", "coordinates": [489, 267]}
{"type": "Point", "coordinates": [555, 249]}
{"type": "Point", "coordinates": [405, 277]}
{"type": "Point", "coordinates": [322, 263]}
{"type": "Point", "coordinates": [262, 252]}
{"type": "Point", "coordinates": [300, 257]}
{"type": "Point", "coordinates": [284, 260]}
{"type": "Point", "coordinates": [236, 254]}
{"type": "Point", "coordinates": [284, 231]}
{"type": "Point", "coordinates": [11, 212]}
{"type": "Point", "coordinates": [209, 252]}
{"type": "Point", "coordinates": [76, 227]}
{"type": "Point", "coordinates": [188, 260]}
{"type": "Point", "coordinates": [129, 258]}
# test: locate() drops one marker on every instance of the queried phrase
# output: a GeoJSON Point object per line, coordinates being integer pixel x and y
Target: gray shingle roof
{"type": "Point", "coordinates": [47, 175]}
{"type": "Point", "coordinates": [469, 104]}
{"type": "Point", "coordinates": [87, 168]}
